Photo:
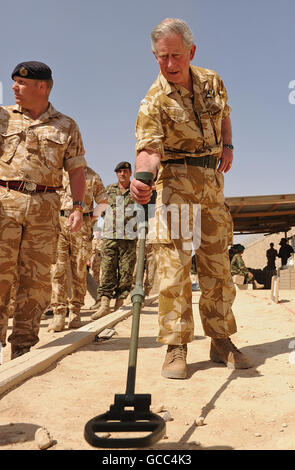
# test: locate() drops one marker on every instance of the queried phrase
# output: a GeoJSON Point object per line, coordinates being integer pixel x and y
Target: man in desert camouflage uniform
{"type": "Point", "coordinates": [184, 131]}
{"type": "Point", "coordinates": [119, 244]}
{"type": "Point", "coordinates": [75, 249]}
{"type": "Point", "coordinates": [36, 142]}
{"type": "Point", "coordinates": [95, 259]}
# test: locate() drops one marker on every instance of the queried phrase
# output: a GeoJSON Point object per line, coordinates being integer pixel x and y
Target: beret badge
{"type": "Point", "coordinates": [23, 72]}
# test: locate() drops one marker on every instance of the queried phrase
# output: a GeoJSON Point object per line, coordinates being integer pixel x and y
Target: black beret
{"type": "Point", "coordinates": [32, 69]}
{"type": "Point", "coordinates": [123, 166]}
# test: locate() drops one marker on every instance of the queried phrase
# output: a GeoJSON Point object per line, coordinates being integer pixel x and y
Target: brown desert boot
{"type": "Point", "coordinates": [17, 351]}
{"type": "Point", "coordinates": [103, 310]}
{"type": "Point", "coordinates": [95, 306]}
{"type": "Point", "coordinates": [118, 304]}
{"type": "Point", "coordinates": [58, 322]}
{"type": "Point", "coordinates": [223, 350]}
{"type": "Point", "coordinates": [174, 366]}
{"type": "Point", "coordinates": [74, 320]}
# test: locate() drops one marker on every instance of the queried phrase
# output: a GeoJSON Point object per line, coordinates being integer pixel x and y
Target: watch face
{"type": "Point", "coordinates": [79, 203]}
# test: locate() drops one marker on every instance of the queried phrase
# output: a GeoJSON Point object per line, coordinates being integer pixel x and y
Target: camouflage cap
{"type": "Point", "coordinates": [239, 247]}
{"type": "Point", "coordinates": [32, 69]}
{"type": "Point", "coordinates": [123, 166]}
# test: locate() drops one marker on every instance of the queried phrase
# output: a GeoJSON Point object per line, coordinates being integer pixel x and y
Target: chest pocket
{"type": "Point", "coordinates": [53, 146]}
{"type": "Point", "coordinates": [213, 104]}
{"type": "Point", "coordinates": [176, 114]}
{"type": "Point", "coordinates": [8, 144]}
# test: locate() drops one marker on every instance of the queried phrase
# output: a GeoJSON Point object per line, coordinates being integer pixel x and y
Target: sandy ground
{"type": "Point", "coordinates": [247, 409]}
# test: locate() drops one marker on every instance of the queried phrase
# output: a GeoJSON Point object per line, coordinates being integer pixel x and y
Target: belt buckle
{"type": "Point", "coordinates": [29, 186]}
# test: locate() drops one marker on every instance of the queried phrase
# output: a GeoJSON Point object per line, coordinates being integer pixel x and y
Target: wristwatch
{"type": "Point", "coordinates": [229, 146]}
{"type": "Point", "coordinates": [78, 208]}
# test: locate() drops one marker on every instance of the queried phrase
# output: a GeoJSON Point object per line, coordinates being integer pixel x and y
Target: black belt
{"type": "Point", "coordinates": [207, 161]}
{"type": "Point", "coordinates": [27, 187]}
{"type": "Point", "coordinates": [68, 212]}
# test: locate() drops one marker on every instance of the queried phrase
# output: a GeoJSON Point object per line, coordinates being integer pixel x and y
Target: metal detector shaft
{"type": "Point", "coordinates": [137, 296]}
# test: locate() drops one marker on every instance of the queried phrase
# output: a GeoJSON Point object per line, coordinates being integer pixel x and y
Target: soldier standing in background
{"type": "Point", "coordinates": [36, 143]}
{"type": "Point", "coordinates": [183, 131]}
{"type": "Point", "coordinates": [74, 249]}
{"type": "Point", "coordinates": [119, 245]}
{"type": "Point", "coordinates": [95, 259]}
{"type": "Point", "coordinates": [285, 251]}
{"type": "Point", "coordinates": [271, 255]}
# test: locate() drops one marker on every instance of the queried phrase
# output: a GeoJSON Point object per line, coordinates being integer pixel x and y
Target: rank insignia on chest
{"type": "Point", "coordinates": [210, 94]}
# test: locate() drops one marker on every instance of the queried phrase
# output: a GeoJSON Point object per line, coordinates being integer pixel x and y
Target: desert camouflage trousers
{"type": "Point", "coordinates": [117, 266]}
{"type": "Point", "coordinates": [95, 260]}
{"type": "Point", "coordinates": [150, 268]}
{"type": "Point", "coordinates": [28, 237]}
{"type": "Point", "coordinates": [182, 185]}
{"type": "Point", "coordinates": [73, 251]}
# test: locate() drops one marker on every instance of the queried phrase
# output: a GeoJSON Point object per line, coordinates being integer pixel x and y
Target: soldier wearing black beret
{"type": "Point", "coordinates": [36, 143]}
{"type": "Point", "coordinates": [119, 245]}
{"type": "Point", "coordinates": [32, 69]}
{"type": "Point", "coordinates": [123, 166]}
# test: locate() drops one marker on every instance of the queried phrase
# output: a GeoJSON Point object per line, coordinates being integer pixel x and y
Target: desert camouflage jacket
{"type": "Point", "coordinates": [120, 216]}
{"type": "Point", "coordinates": [94, 191]}
{"type": "Point", "coordinates": [174, 122]}
{"type": "Point", "coordinates": [38, 150]}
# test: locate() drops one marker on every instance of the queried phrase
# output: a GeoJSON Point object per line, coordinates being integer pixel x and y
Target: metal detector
{"type": "Point", "coordinates": [130, 412]}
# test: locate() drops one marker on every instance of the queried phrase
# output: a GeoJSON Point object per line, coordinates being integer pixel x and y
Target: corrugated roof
{"type": "Point", "coordinates": [262, 214]}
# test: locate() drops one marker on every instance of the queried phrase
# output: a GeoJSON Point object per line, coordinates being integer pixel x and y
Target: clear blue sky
{"type": "Point", "coordinates": [99, 51]}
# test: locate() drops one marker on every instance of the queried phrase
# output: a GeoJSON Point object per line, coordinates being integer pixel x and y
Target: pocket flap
{"type": "Point", "coordinates": [176, 113]}
{"type": "Point", "coordinates": [56, 137]}
{"type": "Point", "coordinates": [9, 142]}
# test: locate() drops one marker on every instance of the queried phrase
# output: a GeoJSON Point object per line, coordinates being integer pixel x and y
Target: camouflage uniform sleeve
{"type": "Point", "coordinates": [99, 192]}
{"type": "Point", "coordinates": [149, 131]}
{"type": "Point", "coordinates": [223, 95]}
{"type": "Point", "coordinates": [74, 155]}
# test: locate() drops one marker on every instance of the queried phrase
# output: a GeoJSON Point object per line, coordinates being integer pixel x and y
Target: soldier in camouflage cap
{"type": "Point", "coordinates": [183, 131]}
{"type": "Point", "coordinates": [118, 246]}
{"type": "Point", "coordinates": [237, 265]}
{"type": "Point", "coordinates": [36, 143]}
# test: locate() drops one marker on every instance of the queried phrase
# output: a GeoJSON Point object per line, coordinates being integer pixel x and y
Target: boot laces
{"type": "Point", "coordinates": [179, 352]}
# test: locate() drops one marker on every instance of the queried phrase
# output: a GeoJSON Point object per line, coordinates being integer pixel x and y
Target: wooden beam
{"type": "Point", "coordinates": [260, 200]}
{"type": "Point", "coordinates": [263, 214]}
{"type": "Point", "coordinates": [14, 372]}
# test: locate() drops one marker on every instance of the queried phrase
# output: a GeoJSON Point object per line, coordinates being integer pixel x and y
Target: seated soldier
{"type": "Point", "coordinates": [237, 265]}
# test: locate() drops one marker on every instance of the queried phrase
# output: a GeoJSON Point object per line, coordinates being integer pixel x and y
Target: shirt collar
{"type": "Point", "coordinates": [50, 113]}
{"type": "Point", "coordinates": [169, 87]}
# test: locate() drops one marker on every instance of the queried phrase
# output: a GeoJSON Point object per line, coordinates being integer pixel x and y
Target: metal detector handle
{"type": "Point", "coordinates": [145, 177]}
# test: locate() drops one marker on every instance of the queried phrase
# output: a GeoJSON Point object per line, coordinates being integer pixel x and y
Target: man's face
{"type": "Point", "coordinates": [174, 59]}
{"type": "Point", "coordinates": [124, 176]}
{"type": "Point", "coordinates": [26, 91]}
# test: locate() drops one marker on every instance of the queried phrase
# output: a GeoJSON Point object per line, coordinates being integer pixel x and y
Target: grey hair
{"type": "Point", "coordinates": [172, 25]}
